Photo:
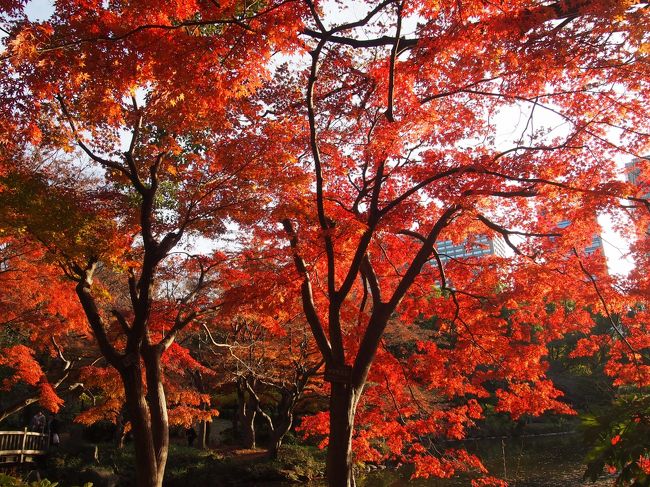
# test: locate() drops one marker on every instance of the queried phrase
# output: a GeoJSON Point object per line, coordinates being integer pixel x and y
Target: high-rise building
{"type": "Point", "coordinates": [638, 174]}
{"type": "Point", "coordinates": [596, 242]}
{"type": "Point", "coordinates": [479, 246]}
{"type": "Point", "coordinates": [482, 246]}
{"type": "Point", "coordinates": [634, 169]}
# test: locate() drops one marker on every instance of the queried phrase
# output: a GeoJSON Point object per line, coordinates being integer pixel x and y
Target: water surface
{"type": "Point", "coordinates": [541, 461]}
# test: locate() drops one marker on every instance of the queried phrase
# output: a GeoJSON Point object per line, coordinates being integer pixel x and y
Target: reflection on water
{"type": "Point", "coordinates": [546, 461]}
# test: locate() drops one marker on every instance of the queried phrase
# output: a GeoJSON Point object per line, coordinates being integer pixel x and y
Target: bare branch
{"type": "Point", "coordinates": [506, 233]}
{"type": "Point", "coordinates": [307, 294]}
{"type": "Point", "coordinates": [122, 321]}
{"type": "Point", "coordinates": [364, 43]}
{"type": "Point", "coordinates": [393, 59]}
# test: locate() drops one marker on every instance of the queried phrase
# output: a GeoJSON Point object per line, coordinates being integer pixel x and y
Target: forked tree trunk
{"type": "Point", "coordinates": [283, 422]}
{"type": "Point", "coordinates": [246, 413]}
{"type": "Point", "coordinates": [148, 417]}
{"type": "Point", "coordinates": [247, 423]}
{"type": "Point", "coordinates": [282, 427]}
{"type": "Point", "coordinates": [343, 405]}
{"type": "Point", "coordinates": [145, 456]}
{"type": "Point", "coordinates": [289, 395]}
{"type": "Point", "coordinates": [147, 411]}
{"type": "Point", "coordinates": [157, 408]}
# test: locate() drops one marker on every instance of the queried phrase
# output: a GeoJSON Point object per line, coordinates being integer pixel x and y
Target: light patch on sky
{"type": "Point", "coordinates": [512, 128]}
{"type": "Point", "coordinates": [615, 247]}
{"type": "Point", "coordinates": [39, 10]}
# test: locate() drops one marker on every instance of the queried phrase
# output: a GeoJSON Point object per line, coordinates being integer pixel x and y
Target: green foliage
{"type": "Point", "coordinates": [186, 465]}
{"type": "Point", "coordinates": [619, 439]}
{"type": "Point", "coordinates": [62, 219]}
{"type": "Point", "coordinates": [9, 481]}
{"type": "Point", "coordinates": [74, 464]}
{"type": "Point", "coordinates": [294, 463]}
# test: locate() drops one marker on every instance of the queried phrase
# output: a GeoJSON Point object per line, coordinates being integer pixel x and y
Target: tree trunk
{"type": "Point", "coordinates": [204, 426]}
{"type": "Point", "coordinates": [343, 404]}
{"type": "Point", "coordinates": [247, 422]}
{"type": "Point", "coordinates": [204, 433]}
{"type": "Point", "coordinates": [281, 429]}
{"type": "Point", "coordinates": [283, 423]}
{"type": "Point", "coordinates": [145, 457]}
{"type": "Point", "coordinates": [148, 417]}
{"type": "Point", "coordinates": [157, 407]}
{"type": "Point", "coordinates": [246, 413]}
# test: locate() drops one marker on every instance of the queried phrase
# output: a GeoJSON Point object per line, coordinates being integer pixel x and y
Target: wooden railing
{"type": "Point", "coordinates": [18, 447]}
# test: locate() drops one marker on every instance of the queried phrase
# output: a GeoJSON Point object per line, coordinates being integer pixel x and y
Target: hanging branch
{"type": "Point", "coordinates": [633, 352]}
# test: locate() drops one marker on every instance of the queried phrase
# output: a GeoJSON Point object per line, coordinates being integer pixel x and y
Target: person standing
{"type": "Point", "coordinates": [54, 428]}
{"type": "Point", "coordinates": [190, 434]}
{"type": "Point", "coordinates": [37, 423]}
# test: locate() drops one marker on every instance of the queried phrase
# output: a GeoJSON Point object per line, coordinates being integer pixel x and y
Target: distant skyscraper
{"type": "Point", "coordinates": [637, 174]}
{"type": "Point", "coordinates": [635, 177]}
{"type": "Point", "coordinates": [480, 246]}
{"type": "Point", "coordinates": [596, 242]}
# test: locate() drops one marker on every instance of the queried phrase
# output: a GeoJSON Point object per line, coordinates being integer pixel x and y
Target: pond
{"type": "Point", "coordinates": [540, 461]}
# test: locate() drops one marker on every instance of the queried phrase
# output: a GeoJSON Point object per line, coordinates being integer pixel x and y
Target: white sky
{"type": "Point", "coordinates": [39, 9]}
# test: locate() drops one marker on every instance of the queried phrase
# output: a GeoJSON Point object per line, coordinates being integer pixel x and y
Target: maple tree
{"type": "Point", "coordinates": [83, 82]}
{"type": "Point", "coordinates": [41, 340]}
{"type": "Point", "coordinates": [402, 135]}
{"type": "Point", "coordinates": [258, 345]}
{"type": "Point", "coordinates": [269, 371]}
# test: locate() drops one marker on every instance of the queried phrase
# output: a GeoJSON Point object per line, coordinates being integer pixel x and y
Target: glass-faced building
{"type": "Point", "coordinates": [596, 242]}
{"type": "Point", "coordinates": [479, 246]}
{"type": "Point", "coordinates": [637, 174]}
{"type": "Point", "coordinates": [633, 170]}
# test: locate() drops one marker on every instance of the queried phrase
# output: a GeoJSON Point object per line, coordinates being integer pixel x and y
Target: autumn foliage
{"type": "Point", "coordinates": [174, 168]}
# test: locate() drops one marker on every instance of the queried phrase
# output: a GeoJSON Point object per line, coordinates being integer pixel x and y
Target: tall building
{"type": "Point", "coordinates": [596, 242]}
{"type": "Point", "coordinates": [634, 176]}
{"type": "Point", "coordinates": [638, 172]}
{"type": "Point", "coordinates": [480, 246]}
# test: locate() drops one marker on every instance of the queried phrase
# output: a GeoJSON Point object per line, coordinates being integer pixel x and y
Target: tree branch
{"type": "Point", "coordinates": [391, 71]}
{"type": "Point", "coordinates": [307, 294]}
{"type": "Point", "coordinates": [94, 317]}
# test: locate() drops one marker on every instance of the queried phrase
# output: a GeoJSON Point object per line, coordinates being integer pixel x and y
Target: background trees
{"type": "Point", "coordinates": [270, 370]}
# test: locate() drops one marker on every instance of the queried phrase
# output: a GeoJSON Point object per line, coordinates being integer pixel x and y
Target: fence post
{"type": "Point", "coordinates": [22, 448]}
